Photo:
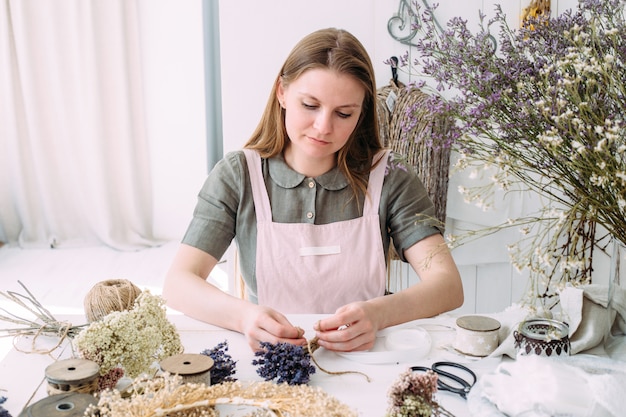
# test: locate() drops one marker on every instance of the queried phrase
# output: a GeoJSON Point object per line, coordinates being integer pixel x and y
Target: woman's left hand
{"type": "Point", "coordinates": [353, 327]}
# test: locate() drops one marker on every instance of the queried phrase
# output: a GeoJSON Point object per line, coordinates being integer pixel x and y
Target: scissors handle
{"type": "Point", "coordinates": [465, 386]}
{"type": "Point", "coordinates": [460, 386]}
{"type": "Point", "coordinates": [421, 369]}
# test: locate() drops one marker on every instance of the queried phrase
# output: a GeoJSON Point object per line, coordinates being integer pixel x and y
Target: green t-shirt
{"type": "Point", "coordinates": [225, 208]}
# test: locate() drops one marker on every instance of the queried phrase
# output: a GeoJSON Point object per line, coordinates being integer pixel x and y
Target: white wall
{"type": "Point", "coordinates": [257, 36]}
{"type": "Point", "coordinates": [174, 88]}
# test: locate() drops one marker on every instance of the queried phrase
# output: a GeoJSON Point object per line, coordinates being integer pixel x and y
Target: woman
{"type": "Point", "coordinates": [312, 202]}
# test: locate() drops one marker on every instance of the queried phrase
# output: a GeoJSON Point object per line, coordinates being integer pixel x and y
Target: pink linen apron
{"type": "Point", "coordinates": [308, 268]}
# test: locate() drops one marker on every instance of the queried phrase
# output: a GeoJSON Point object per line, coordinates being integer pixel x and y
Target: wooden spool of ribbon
{"type": "Point", "coordinates": [61, 405]}
{"type": "Point", "coordinates": [108, 296]}
{"type": "Point", "coordinates": [72, 375]}
{"type": "Point", "coordinates": [192, 367]}
{"type": "Point", "coordinates": [476, 335]}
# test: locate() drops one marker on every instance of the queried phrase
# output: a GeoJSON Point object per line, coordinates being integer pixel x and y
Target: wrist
{"type": "Point", "coordinates": [378, 312]}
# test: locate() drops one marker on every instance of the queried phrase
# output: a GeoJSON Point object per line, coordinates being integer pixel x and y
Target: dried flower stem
{"type": "Point", "coordinates": [312, 346]}
{"type": "Point", "coordinates": [44, 324]}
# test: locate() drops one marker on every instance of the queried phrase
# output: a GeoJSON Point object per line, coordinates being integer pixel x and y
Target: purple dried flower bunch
{"type": "Point", "coordinates": [3, 411]}
{"type": "Point", "coordinates": [224, 367]}
{"type": "Point", "coordinates": [543, 111]}
{"type": "Point", "coordinates": [284, 363]}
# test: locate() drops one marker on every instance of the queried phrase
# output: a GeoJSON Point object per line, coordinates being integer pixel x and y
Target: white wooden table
{"type": "Point", "coordinates": [22, 378]}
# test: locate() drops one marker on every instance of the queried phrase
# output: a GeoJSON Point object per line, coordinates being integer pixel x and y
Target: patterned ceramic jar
{"type": "Point", "coordinates": [476, 335]}
{"type": "Point", "coordinates": [543, 337]}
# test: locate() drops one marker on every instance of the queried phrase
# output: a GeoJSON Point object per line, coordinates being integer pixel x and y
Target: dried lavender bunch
{"type": "Point", "coordinates": [3, 412]}
{"type": "Point", "coordinates": [224, 365]}
{"type": "Point", "coordinates": [284, 362]}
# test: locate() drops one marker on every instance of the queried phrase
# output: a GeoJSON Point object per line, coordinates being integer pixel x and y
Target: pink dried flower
{"type": "Point", "coordinates": [412, 395]}
{"type": "Point", "coordinates": [110, 379]}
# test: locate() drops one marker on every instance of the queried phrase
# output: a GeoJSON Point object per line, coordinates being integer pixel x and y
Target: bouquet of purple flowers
{"type": "Point", "coordinates": [537, 109]}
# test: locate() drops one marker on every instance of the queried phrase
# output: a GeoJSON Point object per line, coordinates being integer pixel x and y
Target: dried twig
{"type": "Point", "coordinates": [44, 322]}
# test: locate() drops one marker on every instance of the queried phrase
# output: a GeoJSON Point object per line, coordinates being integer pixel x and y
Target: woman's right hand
{"type": "Point", "coordinates": [264, 324]}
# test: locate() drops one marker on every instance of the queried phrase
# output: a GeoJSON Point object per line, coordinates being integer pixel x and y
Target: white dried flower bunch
{"type": "Point", "coordinates": [132, 339]}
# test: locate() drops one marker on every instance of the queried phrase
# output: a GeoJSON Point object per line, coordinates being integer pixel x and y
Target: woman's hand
{"type": "Point", "coordinates": [263, 324]}
{"type": "Point", "coordinates": [352, 327]}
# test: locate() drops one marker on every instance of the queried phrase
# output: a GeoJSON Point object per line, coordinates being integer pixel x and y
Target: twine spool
{"type": "Point", "coordinates": [72, 376]}
{"type": "Point", "coordinates": [192, 367]}
{"type": "Point", "coordinates": [108, 296]}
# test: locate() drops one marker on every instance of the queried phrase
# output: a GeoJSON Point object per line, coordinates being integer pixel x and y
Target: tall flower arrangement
{"type": "Point", "coordinates": [543, 112]}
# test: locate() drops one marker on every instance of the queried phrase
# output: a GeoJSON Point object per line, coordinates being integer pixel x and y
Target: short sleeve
{"type": "Point", "coordinates": [410, 213]}
{"type": "Point", "coordinates": [212, 227]}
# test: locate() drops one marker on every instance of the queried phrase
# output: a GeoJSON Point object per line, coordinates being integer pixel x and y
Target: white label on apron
{"type": "Point", "coordinates": [320, 250]}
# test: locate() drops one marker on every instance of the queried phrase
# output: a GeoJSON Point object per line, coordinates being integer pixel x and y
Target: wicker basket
{"type": "Point", "coordinates": [431, 163]}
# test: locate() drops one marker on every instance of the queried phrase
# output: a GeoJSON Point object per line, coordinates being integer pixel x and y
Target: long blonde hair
{"type": "Point", "coordinates": [340, 51]}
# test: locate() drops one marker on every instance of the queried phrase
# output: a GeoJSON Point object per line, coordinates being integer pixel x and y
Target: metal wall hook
{"type": "Point", "coordinates": [403, 25]}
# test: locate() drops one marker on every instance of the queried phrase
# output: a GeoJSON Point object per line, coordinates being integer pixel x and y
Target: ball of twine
{"type": "Point", "coordinates": [108, 296]}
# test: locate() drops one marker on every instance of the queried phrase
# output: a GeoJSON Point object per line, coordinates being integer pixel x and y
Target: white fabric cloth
{"type": "Point", "coordinates": [74, 158]}
{"type": "Point", "coordinates": [537, 386]}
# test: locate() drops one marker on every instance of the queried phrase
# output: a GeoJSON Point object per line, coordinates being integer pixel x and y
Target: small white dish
{"type": "Point", "coordinates": [394, 346]}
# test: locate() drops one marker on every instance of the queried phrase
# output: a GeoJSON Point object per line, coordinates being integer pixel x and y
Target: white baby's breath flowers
{"type": "Point", "coordinates": [169, 395]}
{"type": "Point", "coordinates": [578, 147]}
{"type": "Point", "coordinates": [132, 340]}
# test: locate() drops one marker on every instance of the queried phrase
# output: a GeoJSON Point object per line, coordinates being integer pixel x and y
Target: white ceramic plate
{"type": "Point", "coordinates": [394, 346]}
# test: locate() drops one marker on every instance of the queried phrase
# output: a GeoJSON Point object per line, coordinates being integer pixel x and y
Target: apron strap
{"type": "Point", "coordinates": [262, 202]}
{"type": "Point", "coordinates": [375, 184]}
{"type": "Point", "coordinates": [259, 191]}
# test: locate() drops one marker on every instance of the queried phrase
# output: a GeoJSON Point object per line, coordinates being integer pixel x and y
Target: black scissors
{"type": "Point", "coordinates": [449, 380]}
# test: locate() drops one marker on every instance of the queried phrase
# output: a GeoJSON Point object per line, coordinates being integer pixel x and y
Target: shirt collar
{"type": "Point", "coordinates": [286, 177]}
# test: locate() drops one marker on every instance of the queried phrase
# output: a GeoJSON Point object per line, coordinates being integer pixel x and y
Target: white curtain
{"type": "Point", "coordinates": [74, 160]}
